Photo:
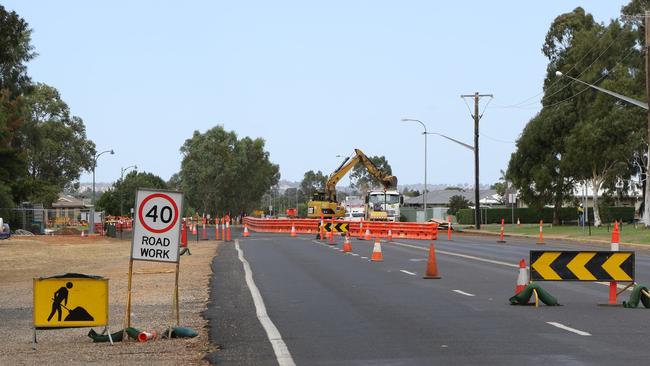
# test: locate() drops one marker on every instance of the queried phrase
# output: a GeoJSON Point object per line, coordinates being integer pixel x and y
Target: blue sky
{"type": "Point", "coordinates": [314, 79]}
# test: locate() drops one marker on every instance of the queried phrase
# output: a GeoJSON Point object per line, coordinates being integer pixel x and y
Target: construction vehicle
{"type": "Point", "coordinates": [325, 205]}
{"type": "Point", "coordinates": [383, 205]}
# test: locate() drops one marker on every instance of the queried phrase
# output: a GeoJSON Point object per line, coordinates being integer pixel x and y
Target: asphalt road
{"type": "Point", "coordinates": [332, 308]}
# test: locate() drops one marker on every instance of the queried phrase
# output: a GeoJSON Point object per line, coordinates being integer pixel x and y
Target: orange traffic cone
{"type": "Point", "coordinates": [293, 230]}
{"type": "Point", "coordinates": [246, 233]}
{"type": "Point", "coordinates": [321, 228]}
{"type": "Point", "coordinates": [367, 236]}
{"type": "Point", "coordinates": [432, 265]}
{"type": "Point", "coordinates": [376, 252]}
{"type": "Point", "coordinates": [522, 278]}
{"type": "Point", "coordinates": [501, 238]}
{"type": "Point", "coordinates": [147, 336]}
{"type": "Point", "coordinates": [347, 246]}
{"type": "Point", "coordinates": [330, 234]}
{"type": "Point", "coordinates": [541, 232]}
{"type": "Point", "coordinates": [204, 233]}
{"type": "Point", "coordinates": [390, 235]}
{"type": "Point", "coordinates": [194, 232]}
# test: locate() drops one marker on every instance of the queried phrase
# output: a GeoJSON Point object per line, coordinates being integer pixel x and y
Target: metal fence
{"type": "Point", "coordinates": [53, 221]}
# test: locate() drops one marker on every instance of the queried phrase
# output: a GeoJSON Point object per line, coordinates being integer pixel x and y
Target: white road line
{"type": "Point", "coordinates": [562, 326]}
{"type": "Point", "coordinates": [464, 293]}
{"type": "Point", "coordinates": [364, 257]}
{"type": "Point", "coordinates": [354, 254]}
{"type": "Point", "coordinates": [407, 272]}
{"type": "Point", "coordinates": [461, 255]}
{"type": "Point", "coordinates": [279, 347]}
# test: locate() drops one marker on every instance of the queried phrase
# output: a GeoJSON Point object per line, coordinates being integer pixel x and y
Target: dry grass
{"type": "Point", "coordinates": [22, 259]}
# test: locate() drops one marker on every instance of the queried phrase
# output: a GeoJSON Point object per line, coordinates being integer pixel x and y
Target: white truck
{"type": "Point", "coordinates": [384, 205]}
{"type": "Point", "coordinates": [355, 209]}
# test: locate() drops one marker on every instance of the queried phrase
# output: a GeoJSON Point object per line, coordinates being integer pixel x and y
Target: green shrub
{"type": "Point", "coordinates": [531, 215]}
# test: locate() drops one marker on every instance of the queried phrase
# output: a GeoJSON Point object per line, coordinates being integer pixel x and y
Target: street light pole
{"type": "Point", "coordinates": [425, 133]}
{"type": "Point", "coordinates": [122, 190]}
{"type": "Point", "coordinates": [91, 219]}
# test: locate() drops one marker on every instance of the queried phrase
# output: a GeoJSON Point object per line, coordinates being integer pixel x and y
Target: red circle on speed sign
{"type": "Point", "coordinates": [174, 214]}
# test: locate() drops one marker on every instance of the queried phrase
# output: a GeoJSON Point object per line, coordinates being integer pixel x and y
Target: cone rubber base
{"type": "Point", "coordinates": [501, 241]}
{"type": "Point", "coordinates": [540, 243]}
{"type": "Point", "coordinates": [431, 277]}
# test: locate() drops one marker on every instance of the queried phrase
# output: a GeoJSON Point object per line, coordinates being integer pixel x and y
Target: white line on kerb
{"type": "Point", "coordinates": [279, 347]}
{"type": "Point", "coordinates": [463, 293]}
{"type": "Point", "coordinates": [407, 272]}
{"type": "Point", "coordinates": [562, 326]}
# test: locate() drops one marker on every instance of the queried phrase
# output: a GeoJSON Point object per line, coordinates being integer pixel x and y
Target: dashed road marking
{"type": "Point", "coordinates": [461, 255]}
{"type": "Point", "coordinates": [364, 257]}
{"type": "Point", "coordinates": [572, 330]}
{"type": "Point", "coordinates": [407, 272]}
{"type": "Point", "coordinates": [464, 293]}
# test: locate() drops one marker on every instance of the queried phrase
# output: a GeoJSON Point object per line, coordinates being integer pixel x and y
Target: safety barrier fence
{"type": "Point", "coordinates": [404, 230]}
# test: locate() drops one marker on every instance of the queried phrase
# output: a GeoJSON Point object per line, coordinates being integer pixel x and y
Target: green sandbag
{"type": "Point", "coordinates": [185, 250]}
{"type": "Point", "coordinates": [117, 336]}
{"type": "Point", "coordinates": [180, 332]}
{"type": "Point", "coordinates": [524, 296]}
{"type": "Point", "coordinates": [636, 296]}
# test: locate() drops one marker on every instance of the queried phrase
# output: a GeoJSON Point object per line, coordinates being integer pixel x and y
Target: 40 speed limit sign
{"type": "Point", "coordinates": [157, 225]}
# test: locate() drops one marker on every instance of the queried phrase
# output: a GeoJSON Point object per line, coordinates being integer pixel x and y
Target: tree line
{"type": "Point", "coordinates": [581, 135]}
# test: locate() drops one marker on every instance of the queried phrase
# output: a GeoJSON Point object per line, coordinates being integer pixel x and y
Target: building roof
{"type": "Point", "coordinates": [67, 201]}
{"type": "Point", "coordinates": [441, 197]}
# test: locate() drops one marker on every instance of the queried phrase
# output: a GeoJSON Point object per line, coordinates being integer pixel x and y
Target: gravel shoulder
{"type": "Point", "coordinates": [22, 259]}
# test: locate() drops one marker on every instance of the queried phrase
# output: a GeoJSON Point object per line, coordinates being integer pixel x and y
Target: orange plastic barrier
{"type": "Point", "coordinates": [399, 230]}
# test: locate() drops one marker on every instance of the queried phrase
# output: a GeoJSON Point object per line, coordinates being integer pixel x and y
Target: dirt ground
{"type": "Point", "coordinates": [22, 259]}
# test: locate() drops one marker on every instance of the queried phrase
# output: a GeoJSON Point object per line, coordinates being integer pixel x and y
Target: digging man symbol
{"type": "Point", "coordinates": [61, 295]}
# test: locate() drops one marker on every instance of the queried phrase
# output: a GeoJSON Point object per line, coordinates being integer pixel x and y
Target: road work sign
{"type": "Point", "coordinates": [581, 266]}
{"type": "Point", "coordinates": [157, 226]}
{"type": "Point", "coordinates": [70, 301]}
{"type": "Point", "coordinates": [339, 227]}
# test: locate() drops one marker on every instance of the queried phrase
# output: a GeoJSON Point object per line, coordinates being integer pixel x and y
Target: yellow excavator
{"type": "Point", "coordinates": [324, 203]}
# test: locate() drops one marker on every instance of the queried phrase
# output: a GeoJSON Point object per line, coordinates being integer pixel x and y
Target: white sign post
{"type": "Point", "coordinates": [157, 226]}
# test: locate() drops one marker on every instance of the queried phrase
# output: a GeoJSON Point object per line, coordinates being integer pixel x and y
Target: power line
{"type": "Point", "coordinates": [524, 102]}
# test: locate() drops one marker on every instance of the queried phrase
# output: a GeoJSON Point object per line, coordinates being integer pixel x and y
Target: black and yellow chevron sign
{"type": "Point", "coordinates": [339, 227]}
{"type": "Point", "coordinates": [581, 266]}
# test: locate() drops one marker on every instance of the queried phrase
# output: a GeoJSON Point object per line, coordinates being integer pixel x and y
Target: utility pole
{"type": "Point", "coordinates": [477, 206]}
{"type": "Point", "coordinates": [646, 201]}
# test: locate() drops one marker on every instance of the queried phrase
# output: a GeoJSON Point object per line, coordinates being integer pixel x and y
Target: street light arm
{"type": "Point", "coordinates": [637, 103]}
{"type": "Point", "coordinates": [452, 139]}
{"type": "Point", "coordinates": [416, 120]}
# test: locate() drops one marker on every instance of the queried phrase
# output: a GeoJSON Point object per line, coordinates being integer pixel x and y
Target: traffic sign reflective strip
{"type": "Point", "coordinates": [613, 266]}
{"type": "Point", "coordinates": [581, 266]}
{"type": "Point", "coordinates": [340, 227]}
{"type": "Point", "coordinates": [543, 266]}
{"type": "Point", "coordinates": [577, 266]}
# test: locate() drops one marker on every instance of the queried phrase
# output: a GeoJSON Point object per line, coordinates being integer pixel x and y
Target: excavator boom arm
{"type": "Point", "coordinates": [387, 181]}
